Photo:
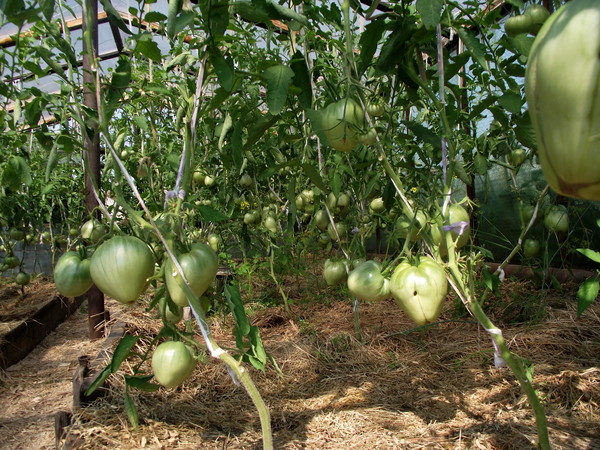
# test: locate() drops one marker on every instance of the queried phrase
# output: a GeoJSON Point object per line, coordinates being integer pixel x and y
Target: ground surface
{"type": "Point", "coordinates": [433, 388]}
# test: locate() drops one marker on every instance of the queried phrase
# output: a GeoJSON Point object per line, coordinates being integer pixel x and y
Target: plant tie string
{"type": "Point", "coordinates": [498, 360]}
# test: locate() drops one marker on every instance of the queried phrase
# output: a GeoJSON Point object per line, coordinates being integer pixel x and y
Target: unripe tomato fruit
{"type": "Point", "coordinates": [557, 219]}
{"type": "Point", "coordinates": [92, 230]}
{"type": "Point", "coordinates": [341, 124]}
{"type": "Point", "coordinates": [335, 272]}
{"type": "Point", "coordinates": [246, 180]}
{"type": "Point", "coordinates": [377, 205]}
{"type": "Point", "coordinates": [516, 25]}
{"type": "Point", "coordinates": [376, 108]}
{"type": "Point", "coordinates": [16, 235]}
{"type": "Point", "coordinates": [420, 289]}
{"type": "Point", "coordinates": [562, 86]}
{"type": "Point", "coordinates": [538, 15]}
{"type": "Point", "coordinates": [365, 282]}
{"type": "Point", "coordinates": [531, 248]}
{"type": "Point", "coordinates": [172, 363]}
{"type": "Point", "coordinates": [199, 266]}
{"type": "Point", "coordinates": [72, 275]}
{"type": "Point", "coordinates": [22, 278]}
{"type": "Point", "coordinates": [121, 266]}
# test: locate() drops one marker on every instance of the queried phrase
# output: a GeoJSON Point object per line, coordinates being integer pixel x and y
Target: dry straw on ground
{"type": "Point", "coordinates": [431, 388]}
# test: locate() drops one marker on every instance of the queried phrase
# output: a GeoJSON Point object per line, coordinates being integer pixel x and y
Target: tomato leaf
{"type": "Point", "coordinates": [141, 382]}
{"type": "Point", "coordinates": [122, 351]}
{"type": "Point", "coordinates": [430, 11]}
{"type": "Point", "coordinates": [223, 68]}
{"type": "Point", "coordinates": [491, 280]}
{"type": "Point", "coordinates": [278, 79]}
{"type": "Point", "coordinates": [475, 47]}
{"type": "Point", "coordinates": [16, 173]}
{"type": "Point", "coordinates": [234, 300]}
{"type": "Point", "coordinates": [147, 47]}
{"type": "Point", "coordinates": [591, 254]}
{"type": "Point", "coordinates": [98, 381]}
{"type": "Point", "coordinates": [368, 42]}
{"type": "Point", "coordinates": [587, 294]}
{"type": "Point", "coordinates": [131, 410]}
{"type": "Point", "coordinates": [302, 80]}
{"type": "Point", "coordinates": [313, 174]}
{"type": "Point", "coordinates": [209, 214]}
{"type": "Point", "coordinates": [114, 17]}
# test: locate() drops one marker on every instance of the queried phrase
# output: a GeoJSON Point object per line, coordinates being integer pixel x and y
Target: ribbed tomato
{"type": "Point", "coordinates": [342, 122]}
{"type": "Point", "coordinates": [366, 282]}
{"type": "Point", "coordinates": [199, 266]}
{"type": "Point", "coordinates": [335, 272]}
{"type": "Point", "coordinates": [172, 363]}
{"type": "Point", "coordinates": [72, 275]}
{"type": "Point", "coordinates": [121, 266]}
{"type": "Point", "coordinates": [420, 289]}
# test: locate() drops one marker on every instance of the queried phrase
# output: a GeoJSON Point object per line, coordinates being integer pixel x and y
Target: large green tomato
{"type": "Point", "coordinates": [335, 272]}
{"type": "Point", "coordinates": [171, 312]}
{"type": "Point", "coordinates": [321, 219]}
{"type": "Point", "coordinates": [172, 363]}
{"type": "Point", "coordinates": [16, 235]}
{"type": "Point", "coordinates": [376, 108]}
{"type": "Point", "coordinates": [557, 219]}
{"type": "Point", "coordinates": [22, 278]}
{"type": "Point", "coordinates": [270, 224]}
{"type": "Point", "coordinates": [456, 213]}
{"type": "Point", "coordinates": [366, 282]}
{"type": "Point", "coordinates": [420, 289]}
{"type": "Point", "coordinates": [519, 24]}
{"type": "Point", "coordinates": [538, 15]}
{"type": "Point", "coordinates": [72, 275]}
{"type": "Point", "coordinates": [199, 266]}
{"type": "Point", "coordinates": [342, 230]}
{"type": "Point", "coordinates": [92, 230]}
{"type": "Point", "coordinates": [563, 93]}
{"type": "Point", "coordinates": [341, 124]}
{"type": "Point", "coordinates": [11, 261]}
{"type": "Point", "coordinates": [531, 248]}
{"type": "Point", "coordinates": [121, 266]}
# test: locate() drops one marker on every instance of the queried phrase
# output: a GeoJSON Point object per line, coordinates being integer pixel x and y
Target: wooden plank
{"type": "Point", "coordinates": [18, 342]}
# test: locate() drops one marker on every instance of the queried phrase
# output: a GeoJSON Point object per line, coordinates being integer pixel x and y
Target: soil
{"type": "Point", "coordinates": [395, 387]}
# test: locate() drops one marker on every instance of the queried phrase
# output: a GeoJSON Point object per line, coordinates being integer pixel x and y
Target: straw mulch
{"type": "Point", "coordinates": [430, 388]}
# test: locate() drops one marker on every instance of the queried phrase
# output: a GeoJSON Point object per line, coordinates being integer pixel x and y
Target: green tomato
{"type": "Point", "coordinates": [531, 248]}
{"type": "Point", "coordinates": [342, 230]}
{"type": "Point", "coordinates": [169, 311]}
{"type": "Point", "coordinates": [369, 138]}
{"type": "Point", "coordinates": [3, 267]}
{"type": "Point", "coordinates": [331, 201]}
{"type": "Point", "coordinates": [22, 278]}
{"type": "Point", "coordinates": [341, 123]}
{"type": "Point", "coordinates": [92, 231]}
{"type": "Point", "coordinates": [335, 272]}
{"type": "Point", "coordinates": [563, 95]}
{"type": "Point", "coordinates": [72, 275]}
{"type": "Point", "coordinates": [456, 213]}
{"type": "Point", "coordinates": [516, 25]}
{"type": "Point", "coordinates": [365, 282]}
{"type": "Point", "coordinates": [517, 157]}
{"type": "Point", "coordinates": [323, 239]}
{"type": "Point", "coordinates": [214, 241]}
{"type": "Point", "coordinates": [73, 232]}
{"type": "Point", "coordinates": [377, 205]}
{"type": "Point", "coordinates": [198, 177]}
{"type": "Point", "coordinates": [270, 224]}
{"type": "Point", "coordinates": [209, 181]}
{"type": "Point", "coordinates": [121, 266]}
{"type": "Point", "coordinates": [343, 200]}
{"type": "Point", "coordinates": [172, 363]}
{"type": "Point", "coordinates": [246, 181]}
{"type": "Point", "coordinates": [420, 289]}
{"type": "Point", "coordinates": [45, 237]}
{"type": "Point", "coordinates": [11, 261]}
{"type": "Point", "coordinates": [526, 213]}
{"type": "Point", "coordinates": [376, 108]}
{"type": "Point", "coordinates": [538, 15]}
{"type": "Point", "coordinates": [411, 230]}
{"type": "Point", "coordinates": [321, 219]}
{"type": "Point", "coordinates": [17, 235]}
{"type": "Point", "coordinates": [199, 266]}
{"type": "Point", "coordinates": [557, 219]}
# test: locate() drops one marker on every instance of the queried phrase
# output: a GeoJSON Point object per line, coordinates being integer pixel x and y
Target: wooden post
{"type": "Point", "coordinates": [92, 151]}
